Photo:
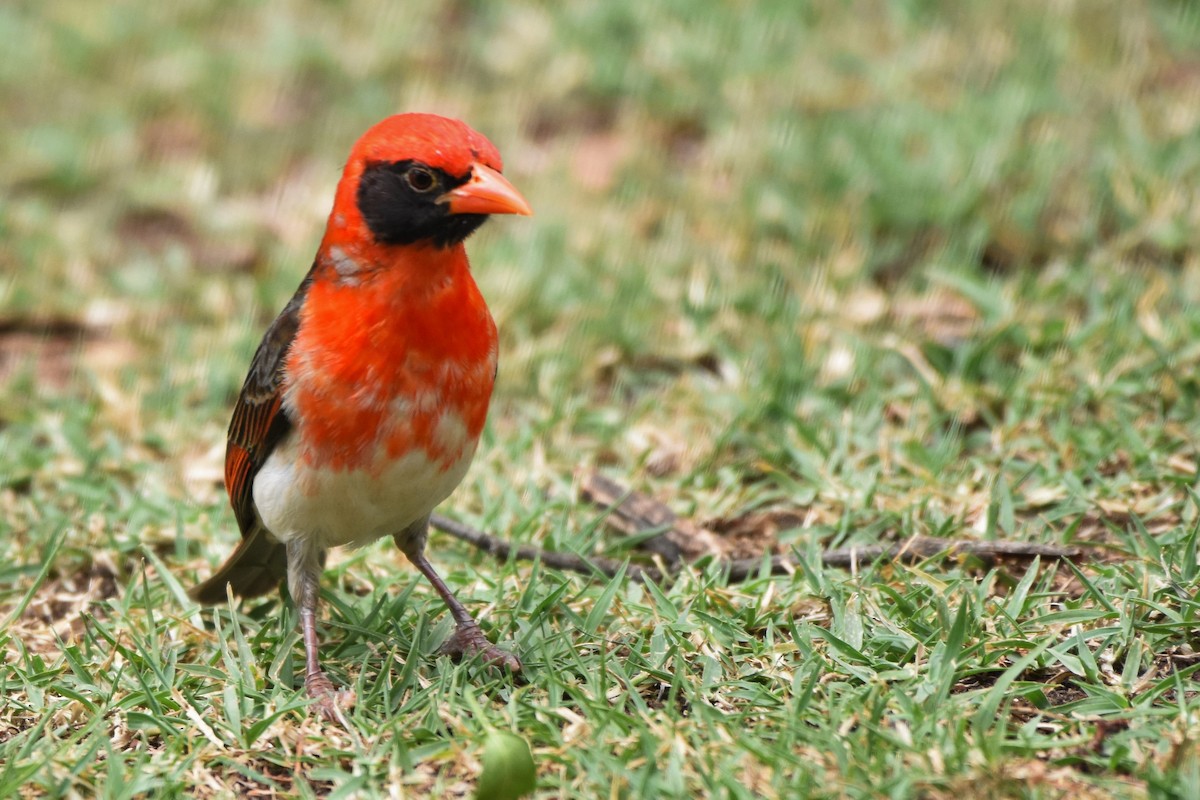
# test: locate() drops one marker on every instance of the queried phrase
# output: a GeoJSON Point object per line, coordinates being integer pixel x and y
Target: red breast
{"type": "Point", "coordinates": [383, 354]}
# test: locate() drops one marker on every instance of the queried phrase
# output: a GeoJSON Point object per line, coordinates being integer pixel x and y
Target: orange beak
{"type": "Point", "coordinates": [488, 192]}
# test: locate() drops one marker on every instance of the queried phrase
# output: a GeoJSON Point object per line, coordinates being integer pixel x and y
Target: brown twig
{"type": "Point", "coordinates": [675, 540]}
{"type": "Point", "coordinates": [633, 514]}
{"type": "Point", "coordinates": [524, 552]}
{"type": "Point", "coordinates": [912, 550]}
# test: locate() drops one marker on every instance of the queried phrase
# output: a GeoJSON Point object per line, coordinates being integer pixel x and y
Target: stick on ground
{"type": "Point", "coordinates": [634, 513]}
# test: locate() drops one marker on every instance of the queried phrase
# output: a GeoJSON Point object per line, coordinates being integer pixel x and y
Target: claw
{"type": "Point", "coordinates": [469, 641]}
{"type": "Point", "coordinates": [328, 701]}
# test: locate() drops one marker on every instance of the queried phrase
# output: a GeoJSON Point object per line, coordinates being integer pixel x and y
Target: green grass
{"type": "Point", "coordinates": [904, 268]}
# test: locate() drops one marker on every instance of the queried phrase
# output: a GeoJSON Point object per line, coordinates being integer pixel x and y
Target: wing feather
{"type": "Point", "coordinates": [259, 420]}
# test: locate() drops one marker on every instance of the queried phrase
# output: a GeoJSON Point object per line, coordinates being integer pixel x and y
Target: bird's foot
{"type": "Point", "coordinates": [468, 640]}
{"type": "Point", "coordinates": [330, 703]}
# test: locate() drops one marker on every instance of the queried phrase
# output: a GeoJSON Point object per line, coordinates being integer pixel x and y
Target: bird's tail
{"type": "Point", "coordinates": [255, 568]}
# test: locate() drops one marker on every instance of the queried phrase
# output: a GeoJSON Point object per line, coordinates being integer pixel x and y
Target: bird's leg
{"type": "Point", "coordinates": [468, 638]}
{"type": "Point", "coordinates": [305, 564]}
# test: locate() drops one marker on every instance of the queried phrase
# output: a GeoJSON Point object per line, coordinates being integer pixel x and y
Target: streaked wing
{"type": "Point", "coordinates": [259, 421]}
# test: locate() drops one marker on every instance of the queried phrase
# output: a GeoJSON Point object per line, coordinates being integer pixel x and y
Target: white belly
{"type": "Point", "coordinates": [350, 507]}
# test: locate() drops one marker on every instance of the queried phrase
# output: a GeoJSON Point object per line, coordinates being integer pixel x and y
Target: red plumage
{"type": "Point", "coordinates": [367, 396]}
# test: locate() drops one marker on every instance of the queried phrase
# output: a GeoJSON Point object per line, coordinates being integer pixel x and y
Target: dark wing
{"type": "Point", "coordinates": [259, 421]}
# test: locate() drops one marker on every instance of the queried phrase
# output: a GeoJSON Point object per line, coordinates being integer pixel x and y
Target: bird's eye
{"type": "Point", "coordinates": [420, 179]}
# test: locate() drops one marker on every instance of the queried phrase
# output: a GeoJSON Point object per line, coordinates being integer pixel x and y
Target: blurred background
{"type": "Point", "coordinates": [750, 215]}
{"type": "Point", "coordinates": [920, 266]}
{"type": "Point", "coordinates": [867, 257]}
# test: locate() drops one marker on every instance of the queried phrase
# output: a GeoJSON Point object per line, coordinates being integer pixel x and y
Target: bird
{"type": "Point", "coordinates": [364, 402]}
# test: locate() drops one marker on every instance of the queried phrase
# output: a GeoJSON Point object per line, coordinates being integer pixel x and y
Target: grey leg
{"type": "Point", "coordinates": [305, 564]}
{"type": "Point", "coordinates": [468, 638]}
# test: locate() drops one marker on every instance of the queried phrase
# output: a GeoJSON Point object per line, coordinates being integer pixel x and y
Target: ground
{"type": "Point", "coordinates": [814, 274]}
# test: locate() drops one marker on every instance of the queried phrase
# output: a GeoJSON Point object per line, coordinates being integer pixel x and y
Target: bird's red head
{"type": "Point", "coordinates": [418, 179]}
{"type": "Point", "coordinates": [439, 142]}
